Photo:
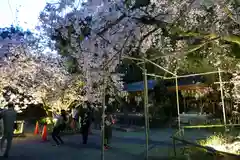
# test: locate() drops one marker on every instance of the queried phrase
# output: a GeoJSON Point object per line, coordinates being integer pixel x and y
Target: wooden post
{"type": "Point", "coordinates": [222, 98]}
{"type": "Point", "coordinates": [184, 104]}
{"type": "Point", "coordinates": [103, 116]}
{"type": "Point", "coordinates": [178, 107]}
{"type": "Point", "coordinates": [174, 147]}
{"type": "Point", "coordinates": [146, 111]}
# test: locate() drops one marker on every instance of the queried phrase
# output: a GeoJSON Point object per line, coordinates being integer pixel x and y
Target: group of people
{"type": "Point", "coordinates": [82, 117]}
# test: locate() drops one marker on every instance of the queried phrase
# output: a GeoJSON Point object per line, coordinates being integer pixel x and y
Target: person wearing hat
{"type": "Point", "coordinates": [9, 117]}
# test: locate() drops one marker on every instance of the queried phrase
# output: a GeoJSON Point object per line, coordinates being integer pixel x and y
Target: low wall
{"type": "Point", "coordinates": [139, 120]}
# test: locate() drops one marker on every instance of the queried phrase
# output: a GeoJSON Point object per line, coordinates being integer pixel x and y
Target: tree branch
{"type": "Point", "coordinates": [119, 51]}
{"type": "Point", "coordinates": [110, 25]}
{"type": "Point", "coordinates": [145, 36]}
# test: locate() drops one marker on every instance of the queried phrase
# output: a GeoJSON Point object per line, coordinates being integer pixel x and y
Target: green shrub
{"type": "Point", "coordinates": [47, 120]}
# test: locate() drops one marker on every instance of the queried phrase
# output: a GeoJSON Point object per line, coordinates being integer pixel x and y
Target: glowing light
{"type": "Point", "coordinates": [28, 78]}
{"type": "Point", "coordinates": [220, 143]}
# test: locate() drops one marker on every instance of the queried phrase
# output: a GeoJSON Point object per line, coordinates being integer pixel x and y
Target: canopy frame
{"type": "Point", "coordinates": [143, 61]}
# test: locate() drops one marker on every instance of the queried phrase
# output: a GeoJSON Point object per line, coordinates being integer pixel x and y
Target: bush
{"type": "Point", "coordinates": [47, 120]}
{"type": "Point", "coordinates": [218, 142]}
{"type": "Point", "coordinates": [224, 143]}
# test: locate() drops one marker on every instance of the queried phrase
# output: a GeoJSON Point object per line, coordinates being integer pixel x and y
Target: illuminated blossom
{"type": "Point", "coordinates": [37, 77]}
{"type": "Point", "coordinates": [99, 32]}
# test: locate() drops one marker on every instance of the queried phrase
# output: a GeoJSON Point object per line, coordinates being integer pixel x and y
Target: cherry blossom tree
{"type": "Point", "coordinates": [98, 33]}
{"type": "Point", "coordinates": [28, 78]}
{"type": "Point", "coordinates": [88, 34]}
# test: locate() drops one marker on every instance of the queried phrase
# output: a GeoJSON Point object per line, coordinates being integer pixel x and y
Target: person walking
{"type": "Point", "coordinates": [9, 116]}
{"type": "Point", "coordinates": [59, 126]}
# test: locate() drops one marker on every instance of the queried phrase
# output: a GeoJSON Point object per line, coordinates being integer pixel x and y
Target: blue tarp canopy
{"type": "Point", "coordinates": [194, 80]}
{"type": "Point", "coordinates": [139, 86]}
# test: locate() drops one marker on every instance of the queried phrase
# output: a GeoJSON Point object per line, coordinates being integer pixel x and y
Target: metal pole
{"type": "Point", "coordinates": [160, 67]}
{"type": "Point", "coordinates": [193, 75]}
{"type": "Point", "coordinates": [156, 76]}
{"type": "Point", "coordinates": [222, 98]}
{"type": "Point", "coordinates": [178, 107]}
{"type": "Point", "coordinates": [133, 58]}
{"type": "Point", "coordinates": [174, 147]}
{"type": "Point", "coordinates": [224, 82]}
{"type": "Point", "coordinates": [103, 116]}
{"type": "Point", "coordinates": [146, 111]}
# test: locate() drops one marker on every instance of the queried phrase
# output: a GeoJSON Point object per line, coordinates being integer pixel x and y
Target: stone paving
{"type": "Point", "coordinates": [125, 145]}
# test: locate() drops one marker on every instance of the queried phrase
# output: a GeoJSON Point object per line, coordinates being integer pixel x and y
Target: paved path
{"type": "Point", "coordinates": [73, 149]}
{"type": "Point", "coordinates": [125, 145]}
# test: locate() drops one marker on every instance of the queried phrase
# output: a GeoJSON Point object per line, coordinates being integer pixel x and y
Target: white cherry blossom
{"type": "Point", "coordinates": [38, 77]}
{"type": "Point", "coordinates": [101, 32]}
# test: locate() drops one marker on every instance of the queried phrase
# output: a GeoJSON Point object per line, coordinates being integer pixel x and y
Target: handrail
{"type": "Point", "coordinates": [211, 126]}
{"type": "Point", "coordinates": [209, 149]}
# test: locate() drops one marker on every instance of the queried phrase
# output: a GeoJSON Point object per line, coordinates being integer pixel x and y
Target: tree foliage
{"type": "Point", "coordinates": [28, 78]}
{"type": "Point", "coordinates": [98, 34]}
{"type": "Point", "coordinates": [13, 32]}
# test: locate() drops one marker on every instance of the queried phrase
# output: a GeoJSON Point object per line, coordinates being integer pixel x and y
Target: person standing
{"type": "Point", "coordinates": [9, 117]}
{"type": "Point", "coordinates": [97, 118]}
{"type": "Point", "coordinates": [75, 117]}
{"type": "Point", "coordinates": [92, 118]}
{"type": "Point", "coordinates": [59, 126]}
{"type": "Point", "coordinates": [108, 130]}
{"type": "Point", "coordinates": [85, 122]}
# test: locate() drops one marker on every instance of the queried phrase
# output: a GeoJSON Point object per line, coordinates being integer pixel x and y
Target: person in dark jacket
{"type": "Point", "coordinates": [85, 122]}
{"type": "Point", "coordinates": [9, 116]}
{"type": "Point", "coordinates": [108, 130]}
